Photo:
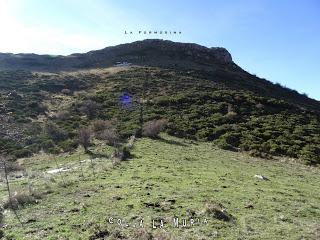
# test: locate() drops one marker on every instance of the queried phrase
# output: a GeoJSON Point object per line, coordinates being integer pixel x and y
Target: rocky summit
{"type": "Point", "coordinates": [149, 52]}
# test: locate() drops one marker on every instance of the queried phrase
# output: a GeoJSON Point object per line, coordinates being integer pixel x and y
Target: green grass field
{"type": "Point", "coordinates": [166, 179]}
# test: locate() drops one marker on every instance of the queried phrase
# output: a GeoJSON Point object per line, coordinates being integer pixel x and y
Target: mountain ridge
{"type": "Point", "coordinates": [168, 53]}
{"type": "Point", "coordinates": [151, 53]}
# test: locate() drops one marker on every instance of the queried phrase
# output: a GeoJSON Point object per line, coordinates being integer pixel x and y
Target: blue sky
{"type": "Point", "coordinates": [275, 39]}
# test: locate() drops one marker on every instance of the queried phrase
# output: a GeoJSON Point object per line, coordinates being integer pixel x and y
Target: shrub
{"type": "Point", "coordinates": [257, 153]}
{"type": "Point", "coordinates": [221, 143]}
{"type": "Point", "coordinates": [310, 154]}
{"type": "Point", "coordinates": [231, 112]}
{"type": "Point", "coordinates": [218, 211]}
{"type": "Point", "coordinates": [122, 153]}
{"type": "Point", "coordinates": [62, 115]}
{"type": "Point", "coordinates": [54, 150]}
{"type": "Point", "coordinates": [89, 108]}
{"type": "Point", "coordinates": [21, 199]}
{"type": "Point", "coordinates": [100, 125]}
{"type": "Point", "coordinates": [162, 236]}
{"type": "Point", "coordinates": [13, 167]}
{"type": "Point", "coordinates": [217, 132]}
{"type": "Point", "coordinates": [65, 91]}
{"type": "Point", "coordinates": [68, 145]}
{"type": "Point", "coordinates": [22, 153]}
{"type": "Point", "coordinates": [110, 136]}
{"type": "Point", "coordinates": [47, 144]}
{"type": "Point", "coordinates": [55, 133]}
{"type": "Point", "coordinates": [84, 137]}
{"type": "Point", "coordinates": [154, 127]}
{"type": "Point", "coordinates": [1, 222]}
{"type": "Point", "coordinates": [259, 106]}
{"type": "Point", "coordinates": [37, 107]}
{"type": "Point", "coordinates": [142, 234]}
{"type": "Point", "coordinates": [232, 139]}
{"type": "Point", "coordinates": [126, 153]}
{"type": "Point", "coordinates": [131, 142]}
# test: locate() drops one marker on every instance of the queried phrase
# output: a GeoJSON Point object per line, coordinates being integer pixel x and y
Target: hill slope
{"type": "Point", "coordinates": [168, 178]}
{"type": "Point", "coordinates": [200, 90]}
{"type": "Point", "coordinates": [238, 113]}
{"type": "Point", "coordinates": [208, 102]}
{"type": "Point", "coordinates": [215, 62]}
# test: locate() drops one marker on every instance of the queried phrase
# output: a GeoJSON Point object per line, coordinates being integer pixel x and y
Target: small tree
{"type": "Point", "coordinates": [100, 125]}
{"type": "Point", "coordinates": [55, 133]}
{"type": "Point", "coordinates": [106, 131]}
{"type": "Point", "coordinates": [154, 127]}
{"type": "Point", "coordinates": [1, 222]}
{"type": "Point", "coordinates": [110, 136]}
{"type": "Point", "coordinates": [89, 108]}
{"type": "Point", "coordinates": [84, 138]}
{"type": "Point", "coordinates": [62, 115]}
{"type": "Point", "coordinates": [3, 165]}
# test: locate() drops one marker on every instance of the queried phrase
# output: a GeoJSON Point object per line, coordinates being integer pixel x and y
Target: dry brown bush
{"type": "Point", "coordinates": [110, 136]}
{"type": "Point", "coordinates": [84, 137]}
{"type": "Point", "coordinates": [21, 199]}
{"type": "Point", "coordinates": [154, 127]}
{"type": "Point", "coordinates": [66, 91]}
{"type": "Point", "coordinates": [218, 211]}
{"type": "Point", "coordinates": [12, 167]}
{"type": "Point", "coordinates": [143, 234]}
{"type": "Point", "coordinates": [100, 125]}
{"type": "Point", "coordinates": [105, 130]}
{"type": "Point", "coordinates": [89, 108]}
{"type": "Point", "coordinates": [62, 115]}
{"type": "Point", "coordinates": [131, 142]}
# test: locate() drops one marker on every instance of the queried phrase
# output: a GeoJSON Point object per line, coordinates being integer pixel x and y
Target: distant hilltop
{"type": "Point", "coordinates": [149, 52]}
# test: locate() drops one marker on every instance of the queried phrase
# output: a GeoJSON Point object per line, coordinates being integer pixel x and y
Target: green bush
{"type": "Point", "coordinates": [232, 110]}
{"type": "Point", "coordinates": [221, 143]}
{"type": "Point", "coordinates": [126, 152]}
{"type": "Point", "coordinates": [68, 145]}
{"type": "Point", "coordinates": [47, 144]}
{"type": "Point", "coordinates": [122, 153]}
{"type": "Point", "coordinates": [231, 138]}
{"type": "Point", "coordinates": [55, 133]}
{"type": "Point", "coordinates": [310, 154]}
{"type": "Point", "coordinates": [22, 153]}
{"type": "Point", "coordinates": [54, 150]}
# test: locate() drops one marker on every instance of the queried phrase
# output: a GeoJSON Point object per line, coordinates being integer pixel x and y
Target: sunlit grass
{"type": "Point", "coordinates": [169, 178]}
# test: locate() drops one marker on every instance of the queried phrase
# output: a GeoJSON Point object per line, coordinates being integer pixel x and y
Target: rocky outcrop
{"type": "Point", "coordinates": [195, 51]}
{"type": "Point", "coordinates": [222, 54]}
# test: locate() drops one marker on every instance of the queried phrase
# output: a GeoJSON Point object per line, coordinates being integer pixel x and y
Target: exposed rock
{"type": "Point", "coordinates": [262, 177]}
{"type": "Point", "coordinates": [218, 211]}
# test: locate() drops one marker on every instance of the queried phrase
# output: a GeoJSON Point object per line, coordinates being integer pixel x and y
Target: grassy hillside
{"type": "Point", "coordinates": [237, 158]}
{"type": "Point", "coordinates": [238, 112]}
{"type": "Point", "coordinates": [167, 178]}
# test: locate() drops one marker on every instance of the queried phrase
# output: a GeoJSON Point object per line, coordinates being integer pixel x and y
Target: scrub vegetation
{"type": "Point", "coordinates": [44, 111]}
